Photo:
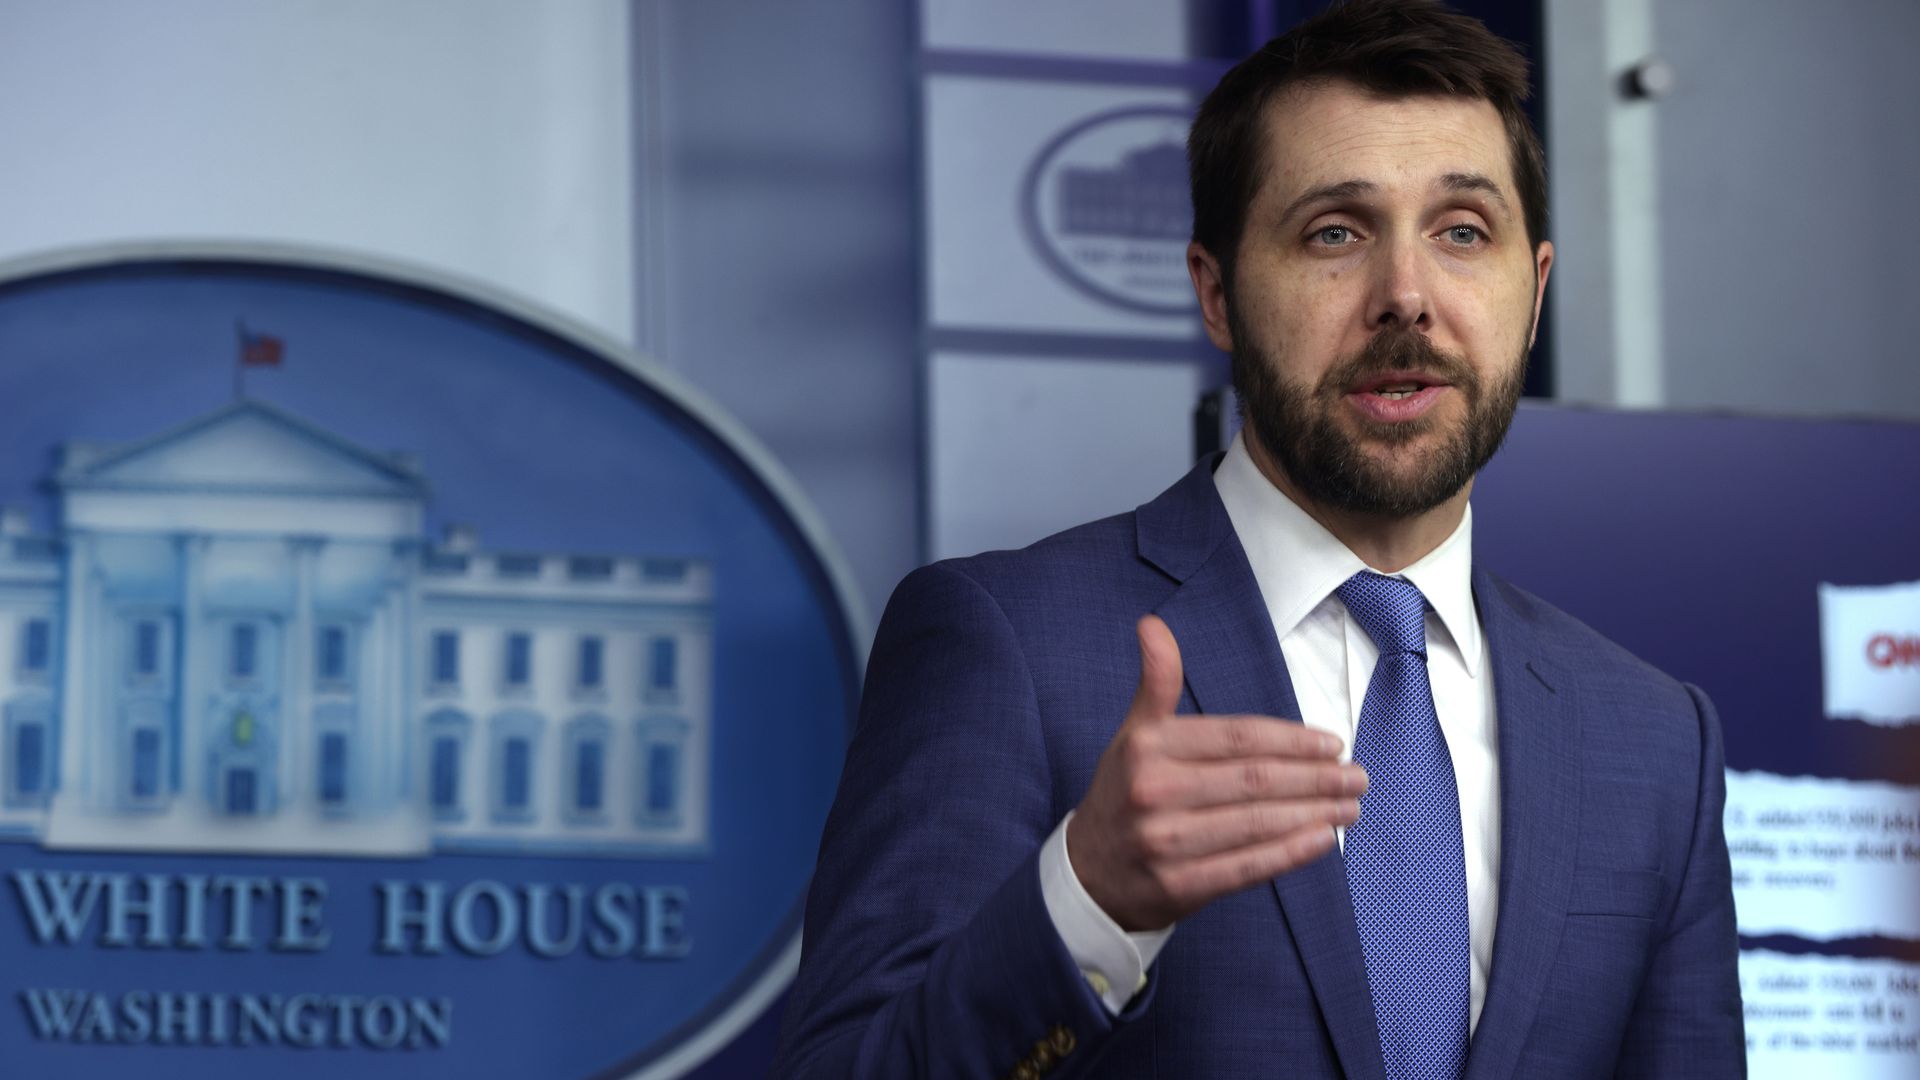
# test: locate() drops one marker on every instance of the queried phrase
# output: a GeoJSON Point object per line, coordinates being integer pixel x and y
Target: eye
{"type": "Point", "coordinates": [1464, 235]}
{"type": "Point", "coordinates": [1333, 236]}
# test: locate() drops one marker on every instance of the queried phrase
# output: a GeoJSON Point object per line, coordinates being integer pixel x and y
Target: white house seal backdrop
{"type": "Point", "coordinates": [391, 678]}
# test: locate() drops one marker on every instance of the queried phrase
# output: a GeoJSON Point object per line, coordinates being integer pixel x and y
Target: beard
{"type": "Point", "coordinates": [1330, 453]}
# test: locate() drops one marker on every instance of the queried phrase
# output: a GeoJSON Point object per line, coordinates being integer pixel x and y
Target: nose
{"type": "Point", "coordinates": [1400, 292]}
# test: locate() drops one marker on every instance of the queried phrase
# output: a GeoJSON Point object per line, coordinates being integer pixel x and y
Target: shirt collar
{"type": "Point", "coordinates": [1298, 563]}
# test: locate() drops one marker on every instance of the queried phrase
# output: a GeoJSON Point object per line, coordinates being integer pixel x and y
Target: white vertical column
{"type": "Point", "coordinates": [192, 644]}
{"type": "Point", "coordinates": [374, 761]}
{"type": "Point", "coordinates": [1608, 335]}
{"type": "Point", "coordinates": [77, 676]}
{"type": "Point", "coordinates": [388, 714]}
{"type": "Point", "coordinates": [298, 756]}
{"type": "Point", "coordinates": [403, 631]}
{"type": "Point", "coordinates": [107, 744]}
{"type": "Point", "coordinates": [1633, 141]}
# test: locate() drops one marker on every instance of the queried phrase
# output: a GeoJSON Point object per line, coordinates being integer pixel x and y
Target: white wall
{"type": "Point", "coordinates": [1746, 241]}
{"type": "Point", "coordinates": [489, 138]}
{"type": "Point", "coordinates": [1787, 157]}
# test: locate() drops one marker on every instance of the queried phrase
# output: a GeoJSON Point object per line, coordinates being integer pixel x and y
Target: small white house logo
{"type": "Point", "coordinates": [1105, 204]}
{"type": "Point", "coordinates": [253, 649]}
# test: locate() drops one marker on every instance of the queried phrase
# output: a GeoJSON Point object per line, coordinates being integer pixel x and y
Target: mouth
{"type": "Point", "coordinates": [1397, 397]}
{"type": "Point", "coordinates": [1396, 386]}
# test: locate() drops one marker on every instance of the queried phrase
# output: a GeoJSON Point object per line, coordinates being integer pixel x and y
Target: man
{"type": "Point", "coordinates": [1078, 833]}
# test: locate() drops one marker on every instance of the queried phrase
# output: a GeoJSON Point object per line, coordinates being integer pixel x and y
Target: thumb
{"type": "Point", "coordinates": [1160, 670]}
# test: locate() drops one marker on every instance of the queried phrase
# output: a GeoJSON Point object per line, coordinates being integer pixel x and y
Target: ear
{"type": "Point", "coordinates": [1542, 263]}
{"type": "Point", "coordinates": [1211, 289]}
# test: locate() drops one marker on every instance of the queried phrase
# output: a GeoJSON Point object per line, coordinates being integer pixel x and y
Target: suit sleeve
{"type": "Point", "coordinates": [1688, 1020]}
{"type": "Point", "coordinates": [928, 949]}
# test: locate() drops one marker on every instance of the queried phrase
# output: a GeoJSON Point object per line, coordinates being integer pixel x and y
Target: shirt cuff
{"type": "Point", "coordinates": [1114, 961]}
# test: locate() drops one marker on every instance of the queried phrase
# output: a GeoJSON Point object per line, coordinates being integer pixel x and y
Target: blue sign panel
{"type": "Point", "coordinates": [389, 680]}
{"type": "Point", "coordinates": [1773, 563]}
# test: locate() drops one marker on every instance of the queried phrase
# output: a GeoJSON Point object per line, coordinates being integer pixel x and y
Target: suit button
{"type": "Point", "coordinates": [1043, 1056]}
{"type": "Point", "coordinates": [1061, 1040]}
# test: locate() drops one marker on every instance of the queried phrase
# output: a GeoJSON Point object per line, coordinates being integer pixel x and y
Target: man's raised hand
{"type": "Point", "coordinates": [1185, 809]}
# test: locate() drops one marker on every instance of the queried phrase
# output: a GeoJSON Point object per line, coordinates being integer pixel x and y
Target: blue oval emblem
{"type": "Point", "coordinates": [393, 679]}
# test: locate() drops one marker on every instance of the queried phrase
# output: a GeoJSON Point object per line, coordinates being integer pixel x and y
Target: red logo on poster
{"type": "Point", "coordinates": [1886, 650]}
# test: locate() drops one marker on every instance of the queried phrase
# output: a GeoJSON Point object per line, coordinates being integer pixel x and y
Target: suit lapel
{"type": "Point", "coordinates": [1539, 738]}
{"type": "Point", "coordinates": [1233, 664]}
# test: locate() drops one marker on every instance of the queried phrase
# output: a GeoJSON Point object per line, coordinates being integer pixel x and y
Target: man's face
{"type": "Point", "coordinates": [1384, 298]}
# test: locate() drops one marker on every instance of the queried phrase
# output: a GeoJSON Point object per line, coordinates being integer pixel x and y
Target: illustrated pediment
{"type": "Point", "coordinates": [246, 447]}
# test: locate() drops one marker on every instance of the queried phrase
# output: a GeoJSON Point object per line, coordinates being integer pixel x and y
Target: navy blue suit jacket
{"type": "Point", "coordinates": [995, 683]}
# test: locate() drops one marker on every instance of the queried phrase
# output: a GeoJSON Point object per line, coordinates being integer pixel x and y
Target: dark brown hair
{"type": "Point", "coordinates": [1397, 48]}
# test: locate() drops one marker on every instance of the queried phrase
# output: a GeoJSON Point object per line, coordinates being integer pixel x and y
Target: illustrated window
{"type": "Point", "coordinates": [663, 661]}
{"type": "Point", "coordinates": [331, 657]}
{"type": "Point", "coordinates": [585, 800]}
{"type": "Point", "coordinates": [447, 733]}
{"type": "Point", "coordinates": [515, 737]}
{"type": "Point", "coordinates": [36, 650]}
{"type": "Point", "coordinates": [445, 657]}
{"type": "Point", "coordinates": [333, 768]}
{"type": "Point", "coordinates": [517, 670]}
{"type": "Point", "coordinates": [590, 673]}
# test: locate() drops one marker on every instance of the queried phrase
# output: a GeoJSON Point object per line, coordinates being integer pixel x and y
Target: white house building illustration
{"type": "Point", "coordinates": [238, 639]}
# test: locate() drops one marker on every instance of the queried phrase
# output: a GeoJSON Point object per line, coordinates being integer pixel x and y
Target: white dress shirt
{"type": "Point", "coordinates": [1298, 564]}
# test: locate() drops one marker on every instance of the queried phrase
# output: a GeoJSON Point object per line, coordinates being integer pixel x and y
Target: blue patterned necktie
{"type": "Point", "coordinates": [1405, 865]}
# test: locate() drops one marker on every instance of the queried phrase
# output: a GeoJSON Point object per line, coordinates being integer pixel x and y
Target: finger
{"type": "Point", "coordinates": [1204, 738]}
{"type": "Point", "coordinates": [1198, 833]}
{"type": "Point", "coordinates": [1192, 785]}
{"type": "Point", "coordinates": [1199, 881]}
{"type": "Point", "coordinates": [1160, 671]}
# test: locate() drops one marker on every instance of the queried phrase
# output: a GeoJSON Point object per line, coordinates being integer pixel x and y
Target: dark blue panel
{"type": "Point", "coordinates": [1699, 542]}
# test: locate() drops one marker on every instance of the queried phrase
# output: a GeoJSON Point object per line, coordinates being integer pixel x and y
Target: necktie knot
{"type": "Point", "coordinates": [1393, 612]}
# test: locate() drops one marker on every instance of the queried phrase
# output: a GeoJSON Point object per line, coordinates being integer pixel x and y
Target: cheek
{"type": "Point", "coordinates": [1309, 311]}
{"type": "Point", "coordinates": [1490, 316]}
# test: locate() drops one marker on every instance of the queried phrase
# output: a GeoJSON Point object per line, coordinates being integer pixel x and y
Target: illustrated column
{"type": "Point", "coordinates": [299, 754]}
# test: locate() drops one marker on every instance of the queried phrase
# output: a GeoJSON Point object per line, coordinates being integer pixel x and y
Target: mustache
{"type": "Point", "coordinates": [1400, 349]}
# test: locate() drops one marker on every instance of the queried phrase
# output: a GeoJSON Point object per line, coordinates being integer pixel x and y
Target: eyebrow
{"type": "Point", "coordinates": [1353, 189]}
{"type": "Point", "coordinates": [1476, 182]}
{"type": "Point", "coordinates": [1336, 192]}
